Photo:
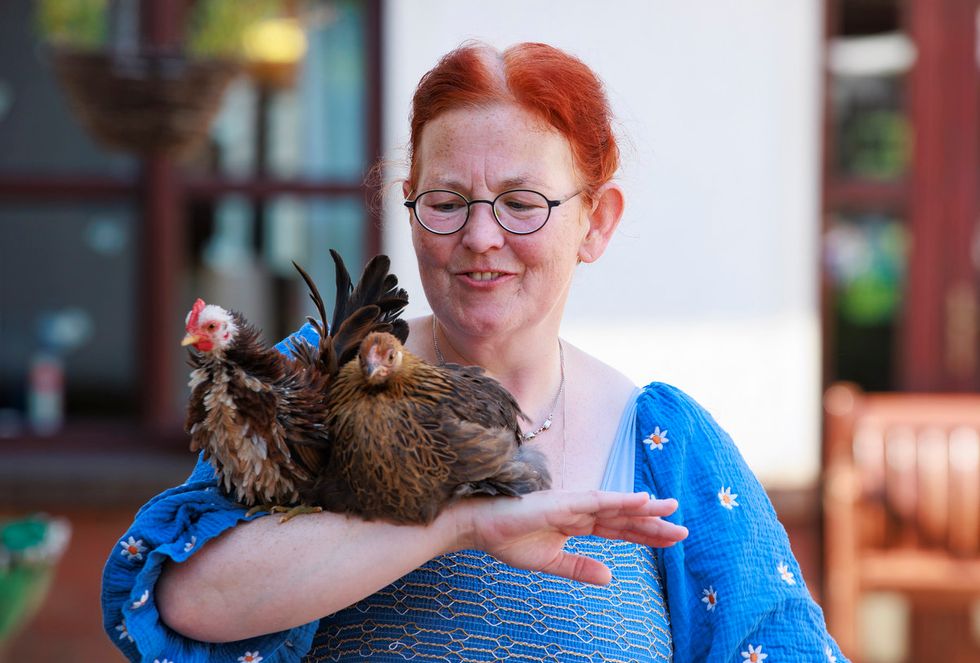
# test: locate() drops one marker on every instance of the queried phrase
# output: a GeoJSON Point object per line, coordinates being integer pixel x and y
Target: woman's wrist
{"type": "Point", "coordinates": [455, 527]}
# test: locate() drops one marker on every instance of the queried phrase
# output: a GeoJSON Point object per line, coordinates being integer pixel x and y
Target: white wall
{"type": "Point", "coordinates": [711, 283]}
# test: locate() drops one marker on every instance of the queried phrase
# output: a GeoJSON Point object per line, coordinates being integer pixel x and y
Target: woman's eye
{"type": "Point", "coordinates": [446, 207]}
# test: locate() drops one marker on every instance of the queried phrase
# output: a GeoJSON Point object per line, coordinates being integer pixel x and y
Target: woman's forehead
{"type": "Point", "coordinates": [504, 146]}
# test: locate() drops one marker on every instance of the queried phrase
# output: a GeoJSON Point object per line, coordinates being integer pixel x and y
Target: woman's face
{"type": "Point", "coordinates": [483, 280]}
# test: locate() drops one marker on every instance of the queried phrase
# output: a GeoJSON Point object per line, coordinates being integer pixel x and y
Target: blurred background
{"type": "Point", "coordinates": [800, 252]}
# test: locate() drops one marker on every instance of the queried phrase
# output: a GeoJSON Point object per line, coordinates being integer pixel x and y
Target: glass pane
{"type": "Point", "coordinates": [868, 59]}
{"type": "Point", "coordinates": [38, 131]}
{"type": "Point", "coordinates": [68, 288]}
{"type": "Point", "coordinates": [865, 259]}
{"type": "Point", "coordinates": [314, 130]}
{"type": "Point", "coordinates": [238, 268]}
{"type": "Point", "coordinates": [873, 135]}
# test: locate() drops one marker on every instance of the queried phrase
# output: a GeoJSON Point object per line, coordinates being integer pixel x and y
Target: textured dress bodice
{"type": "Point", "coordinates": [467, 606]}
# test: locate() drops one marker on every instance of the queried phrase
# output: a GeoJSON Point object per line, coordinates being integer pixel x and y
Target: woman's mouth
{"type": "Point", "coordinates": [483, 276]}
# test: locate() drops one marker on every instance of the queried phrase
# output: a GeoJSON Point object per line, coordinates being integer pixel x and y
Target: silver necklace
{"type": "Point", "coordinates": [561, 385]}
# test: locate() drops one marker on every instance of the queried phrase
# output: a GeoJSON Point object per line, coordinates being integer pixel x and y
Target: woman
{"type": "Point", "coordinates": [509, 188]}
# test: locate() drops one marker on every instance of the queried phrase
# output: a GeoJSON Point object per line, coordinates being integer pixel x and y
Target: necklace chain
{"type": "Point", "coordinates": [561, 385]}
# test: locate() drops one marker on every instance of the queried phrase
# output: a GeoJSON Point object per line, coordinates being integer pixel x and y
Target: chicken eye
{"type": "Point", "coordinates": [211, 326]}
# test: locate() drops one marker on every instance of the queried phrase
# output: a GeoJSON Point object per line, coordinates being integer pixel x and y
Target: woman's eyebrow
{"type": "Point", "coordinates": [514, 182]}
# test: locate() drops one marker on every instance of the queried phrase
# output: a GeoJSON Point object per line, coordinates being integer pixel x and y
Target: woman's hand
{"type": "Point", "coordinates": [530, 532]}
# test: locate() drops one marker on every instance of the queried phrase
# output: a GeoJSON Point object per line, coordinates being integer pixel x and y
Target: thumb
{"type": "Point", "coordinates": [580, 568]}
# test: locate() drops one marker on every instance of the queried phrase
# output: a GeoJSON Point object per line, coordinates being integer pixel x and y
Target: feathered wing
{"type": "Point", "coordinates": [479, 399]}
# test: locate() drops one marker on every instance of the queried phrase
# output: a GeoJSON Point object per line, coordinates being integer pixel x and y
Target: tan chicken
{"type": "Point", "coordinates": [408, 438]}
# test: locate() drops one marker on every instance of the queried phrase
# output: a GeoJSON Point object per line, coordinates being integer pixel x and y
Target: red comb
{"type": "Point", "coordinates": [195, 313]}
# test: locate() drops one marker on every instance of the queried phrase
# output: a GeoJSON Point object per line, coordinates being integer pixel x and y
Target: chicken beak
{"type": "Point", "coordinates": [374, 370]}
{"type": "Point", "coordinates": [190, 339]}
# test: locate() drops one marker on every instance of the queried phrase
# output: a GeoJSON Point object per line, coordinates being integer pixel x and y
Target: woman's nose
{"type": "Point", "coordinates": [482, 232]}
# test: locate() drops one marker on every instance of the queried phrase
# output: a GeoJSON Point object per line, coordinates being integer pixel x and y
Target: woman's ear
{"type": "Point", "coordinates": [607, 209]}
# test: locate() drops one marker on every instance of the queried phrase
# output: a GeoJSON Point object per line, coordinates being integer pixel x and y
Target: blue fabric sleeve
{"type": "Point", "coordinates": [734, 589]}
{"type": "Point", "coordinates": [173, 526]}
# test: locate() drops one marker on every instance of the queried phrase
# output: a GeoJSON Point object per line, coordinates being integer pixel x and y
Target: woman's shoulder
{"type": "Point", "coordinates": [667, 397]}
{"type": "Point", "coordinates": [605, 385]}
{"type": "Point", "coordinates": [662, 406]}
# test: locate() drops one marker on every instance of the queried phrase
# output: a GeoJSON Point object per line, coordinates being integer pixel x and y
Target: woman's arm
{"type": "Point", "coordinates": [734, 588]}
{"type": "Point", "coordinates": [263, 576]}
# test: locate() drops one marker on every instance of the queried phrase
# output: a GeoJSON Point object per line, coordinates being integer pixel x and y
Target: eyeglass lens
{"type": "Point", "coordinates": [518, 211]}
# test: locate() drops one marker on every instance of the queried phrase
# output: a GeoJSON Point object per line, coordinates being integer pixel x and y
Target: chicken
{"type": "Point", "coordinates": [257, 415]}
{"type": "Point", "coordinates": [408, 438]}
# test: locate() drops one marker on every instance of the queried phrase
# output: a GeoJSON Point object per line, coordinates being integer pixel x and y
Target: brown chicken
{"type": "Point", "coordinates": [257, 415]}
{"type": "Point", "coordinates": [408, 438]}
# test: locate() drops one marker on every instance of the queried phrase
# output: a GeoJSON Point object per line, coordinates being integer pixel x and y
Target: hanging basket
{"type": "Point", "coordinates": [144, 103]}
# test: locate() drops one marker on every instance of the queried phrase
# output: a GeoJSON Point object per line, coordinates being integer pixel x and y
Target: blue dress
{"type": "Point", "coordinates": [732, 591]}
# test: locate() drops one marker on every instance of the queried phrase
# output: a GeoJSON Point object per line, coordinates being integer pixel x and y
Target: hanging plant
{"type": "Point", "coordinates": [135, 99]}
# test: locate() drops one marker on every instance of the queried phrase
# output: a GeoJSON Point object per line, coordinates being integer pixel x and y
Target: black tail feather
{"type": "Point", "coordinates": [317, 302]}
{"type": "Point", "coordinates": [342, 301]}
{"type": "Point", "coordinates": [373, 304]}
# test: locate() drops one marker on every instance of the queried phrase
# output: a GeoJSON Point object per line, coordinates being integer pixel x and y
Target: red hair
{"type": "Point", "coordinates": [543, 80]}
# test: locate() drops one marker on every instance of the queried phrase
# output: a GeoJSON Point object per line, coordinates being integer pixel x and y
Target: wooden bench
{"type": "Point", "coordinates": [901, 504]}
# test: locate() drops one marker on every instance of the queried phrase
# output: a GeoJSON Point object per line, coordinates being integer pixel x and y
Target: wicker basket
{"type": "Point", "coordinates": [144, 103]}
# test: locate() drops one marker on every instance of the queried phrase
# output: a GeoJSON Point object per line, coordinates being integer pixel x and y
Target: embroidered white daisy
{"type": "Point", "coordinates": [132, 548]}
{"type": "Point", "coordinates": [710, 598]}
{"type": "Point", "coordinates": [785, 573]}
{"type": "Point", "coordinates": [189, 546]}
{"type": "Point", "coordinates": [123, 633]}
{"type": "Point", "coordinates": [726, 498]}
{"type": "Point", "coordinates": [164, 660]}
{"type": "Point", "coordinates": [754, 655]}
{"type": "Point", "coordinates": [250, 657]}
{"type": "Point", "coordinates": [657, 439]}
{"type": "Point", "coordinates": [141, 601]}
{"type": "Point", "coordinates": [830, 655]}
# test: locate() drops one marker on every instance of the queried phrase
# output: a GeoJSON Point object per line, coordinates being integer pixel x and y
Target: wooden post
{"type": "Point", "coordinates": [840, 532]}
{"type": "Point", "coordinates": [162, 249]}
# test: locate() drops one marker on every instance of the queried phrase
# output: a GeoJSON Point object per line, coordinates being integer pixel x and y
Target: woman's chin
{"type": "Point", "coordinates": [483, 321]}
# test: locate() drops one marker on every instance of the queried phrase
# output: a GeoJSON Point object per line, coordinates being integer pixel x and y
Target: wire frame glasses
{"type": "Point", "coordinates": [519, 211]}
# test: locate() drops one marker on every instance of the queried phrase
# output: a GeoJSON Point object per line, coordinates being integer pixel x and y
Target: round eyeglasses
{"type": "Point", "coordinates": [519, 211]}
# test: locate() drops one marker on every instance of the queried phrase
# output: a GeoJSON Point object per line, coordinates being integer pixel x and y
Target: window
{"type": "Point", "coordinates": [102, 253]}
{"type": "Point", "coordinates": [901, 237]}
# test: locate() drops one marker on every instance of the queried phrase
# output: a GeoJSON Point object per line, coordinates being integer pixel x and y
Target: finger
{"type": "Point", "coordinates": [649, 507]}
{"type": "Point", "coordinates": [580, 568]}
{"type": "Point", "coordinates": [645, 523]}
{"type": "Point", "coordinates": [599, 501]}
{"type": "Point", "coordinates": [639, 537]}
{"type": "Point", "coordinates": [649, 531]}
